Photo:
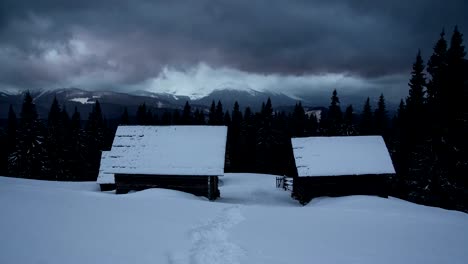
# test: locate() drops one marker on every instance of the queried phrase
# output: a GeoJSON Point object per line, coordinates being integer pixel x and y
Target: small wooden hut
{"type": "Point", "coordinates": [184, 158]}
{"type": "Point", "coordinates": [339, 166]}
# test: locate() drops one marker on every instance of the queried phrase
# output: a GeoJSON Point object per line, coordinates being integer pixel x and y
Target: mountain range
{"type": "Point", "coordinates": [113, 103]}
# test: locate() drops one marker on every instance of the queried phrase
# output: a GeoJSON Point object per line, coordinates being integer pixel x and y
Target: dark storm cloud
{"type": "Point", "coordinates": [52, 42]}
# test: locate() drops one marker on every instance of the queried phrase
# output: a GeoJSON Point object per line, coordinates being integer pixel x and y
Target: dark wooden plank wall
{"type": "Point", "coordinates": [306, 188]}
{"type": "Point", "coordinates": [198, 185]}
{"type": "Point", "coordinates": [107, 187]}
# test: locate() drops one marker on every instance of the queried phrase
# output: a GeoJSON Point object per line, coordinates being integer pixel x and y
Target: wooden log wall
{"type": "Point", "coordinates": [306, 188]}
{"type": "Point", "coordinates": [206, 186]}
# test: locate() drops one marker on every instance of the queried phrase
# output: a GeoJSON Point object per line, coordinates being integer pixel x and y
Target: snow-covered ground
{"type": "Point", "coordinates": [253, 222]}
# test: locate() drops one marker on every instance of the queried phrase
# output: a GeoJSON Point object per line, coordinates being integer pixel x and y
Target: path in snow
{"type": "Point", "coordinates": [210, 242]}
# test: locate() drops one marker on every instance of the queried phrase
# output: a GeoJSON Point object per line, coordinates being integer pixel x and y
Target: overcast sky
{"type": "Point", "coordinates": [193, 47]}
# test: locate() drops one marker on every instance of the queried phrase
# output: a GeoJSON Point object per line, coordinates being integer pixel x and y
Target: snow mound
{"type": "Point", "coordinates": [157, 193]}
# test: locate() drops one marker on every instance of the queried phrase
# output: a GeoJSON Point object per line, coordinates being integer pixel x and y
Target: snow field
{"type": "Point", "coordinates": [253, 222]}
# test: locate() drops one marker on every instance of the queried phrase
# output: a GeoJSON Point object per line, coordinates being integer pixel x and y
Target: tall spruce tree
{"type": "Point", "coordinates": [26, 160]}
{"type": "Point", "coordinates": [415, 107]}
{"type": "Point", "coordinates": [8, 140]}
{"type": "Point", "coordinates": [234, 138]}
{"type": "Point", "coordinates": [454, 101]}
{"type": "Point", "coordinates": [199, 117]}
{"type": "Point", "coordinates": [166, 118]}
{"type": "Point", "coordinates": [142, 115]}
{"type": "Point", "coordinates": [55, 168]}
{"type": "Point", "coordinates": [334, 117]}
{"type": "Point", "coordinates": [176, 117]}
{"type": "Point", "coordinates": [312, 125]}
{"type": "Point", "coordinates": [11, 134]}
{"type": "Point", "coordinates": [95, 138]}
{"type": "Point", "coordinates": [298, 121]}
{"type": "Point", "coordinates": [212, 114]}
{"type": "Point", "coordinates": [219, 114]}
{"type": "Point", "coordinates": [3, 153]}
{"type": "Point", "coordinates": [437, 97]}
{"type": "Point", "coordinates": [348, 122]}
{"type": "Point", "coordinates": [249, 140]}
{"type": "Point", "coordinates": [77, 162]}
{"type": "Point", "coordinates": [437, 68]}
{"type": "Point", "coordinates": [149, 117]}
{"type": "Point", "coordinates": [227, 119]}
{"type": "Point", "coordinates": [415, 135]}
{"type": "Point", "coordinates": [186, 118]}
{"type": "Point", "coordinates": [264, 136]}
{"type": "Point", "coordinates": [366, 125]}
{"type": "Point", "coordinates": [124, 119]}
{"type": "Point", "coordinates": [381, 117]}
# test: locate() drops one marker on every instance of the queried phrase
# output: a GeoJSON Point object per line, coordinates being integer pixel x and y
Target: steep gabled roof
{"type": "Point", "coordinates": [165, 150]}
{"type": "Point", "coordinates": [335, 156]}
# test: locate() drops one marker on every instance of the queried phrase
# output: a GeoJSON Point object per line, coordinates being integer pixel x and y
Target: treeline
{"type": "Point", "coordinates": [58, 148]}
{"type": "Point", "coordinates": [430, 140]}
{"type": "Point", "coordinates": [427, 137]}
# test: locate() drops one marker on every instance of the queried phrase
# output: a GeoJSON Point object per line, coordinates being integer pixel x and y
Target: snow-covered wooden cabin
{"type": "Point", "coordinates": [338, 166]}
{"type": "Point", "coordinates": [184, 158]}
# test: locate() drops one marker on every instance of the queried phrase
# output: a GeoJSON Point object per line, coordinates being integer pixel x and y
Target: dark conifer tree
{"type": "Point", "coordinates": [267, 109]}
{"type": "Point", "coordinates": [77, 162]}
{"type": "Point", "coordinates": [236, 116]}
{"type": "Point", "coordinates": [3, 153]}
{"type": "Point", "coordinates": [176, 117]}
{"type": "Point", "coordinates": [11, 132]}
{"type": "Point", "coordinates": [149, 119]}
{"type": "Point", "coordinates": [55, 163]}
{"type": "Point", "coordinates": [454, 100]}
{"type": "Point", "coordinates": [366, 126]}
{"type": "Point", "coordinates": [264, 137]}
{"type": "Point", "coordinates": [436, 94]}
{"type": "Point", "coordinates": [437, 68]}
{"type": "Point", "coordinates": [417, 84]}
{"type": "Point", "coordinates": [234, 138]}
{"type": "Point", "coordinates": [8, 140]}
{"type": "Point", "coordinates": [227, 119]}
{"type": "Point", "coordinates": [212, 114]}
{"type": "Point", "coordinates": [415, 134]}
{"type": "Point", "coordinates": [26, 160]}
{"type": "Point", "coordinates": [219, 114]}
{"type": "Point", "coordinates": [457, 75]}
{"type": "Point", "coordinates": [334, 116]}
{"type": "Point", "coordinates": [247, 114]}
{"type": "Point", "coordinates": [348, 121]}
{"type": "Point", "coordinates": [95, 138]}
{"type": "Point", "coordinates": [142, 115]}
{"type": "Point", "coordinates": [68, 143]}
{"type": "Point", "coordinates": [187, 118]}
{"type": "Point", "coordinates": [124, 120]}
{"type": "Point", "coordinates": [312, 125]}
{"type": "Point", "coordinates": [248, 137]}
{"type": "Point", "coordinates": [398, 149]}
{"type": "Point", "coordinates": [199, 117]}
{"type": "Point", "coordinates": [65, 118]}
{"type": "Point", "coordinates": [166, 118]}
{"type": "Point", "coordinates": [381, 117]}
{"type": "Point", "coordinates": [298, 121]}
{"type": "Point", "coordinates": [75, 122]}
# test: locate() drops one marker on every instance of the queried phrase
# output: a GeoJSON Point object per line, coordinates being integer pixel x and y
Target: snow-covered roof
{"type": "Point", "coordinates": [334, 156]}
{"type": "Point", "coordinates": [104, 176]}
{"type": "Point", "coordinates": [165, 150]}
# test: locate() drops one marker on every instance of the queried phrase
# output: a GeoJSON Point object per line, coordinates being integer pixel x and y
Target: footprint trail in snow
{"type": "Point", "coordinates": [210, 242]}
